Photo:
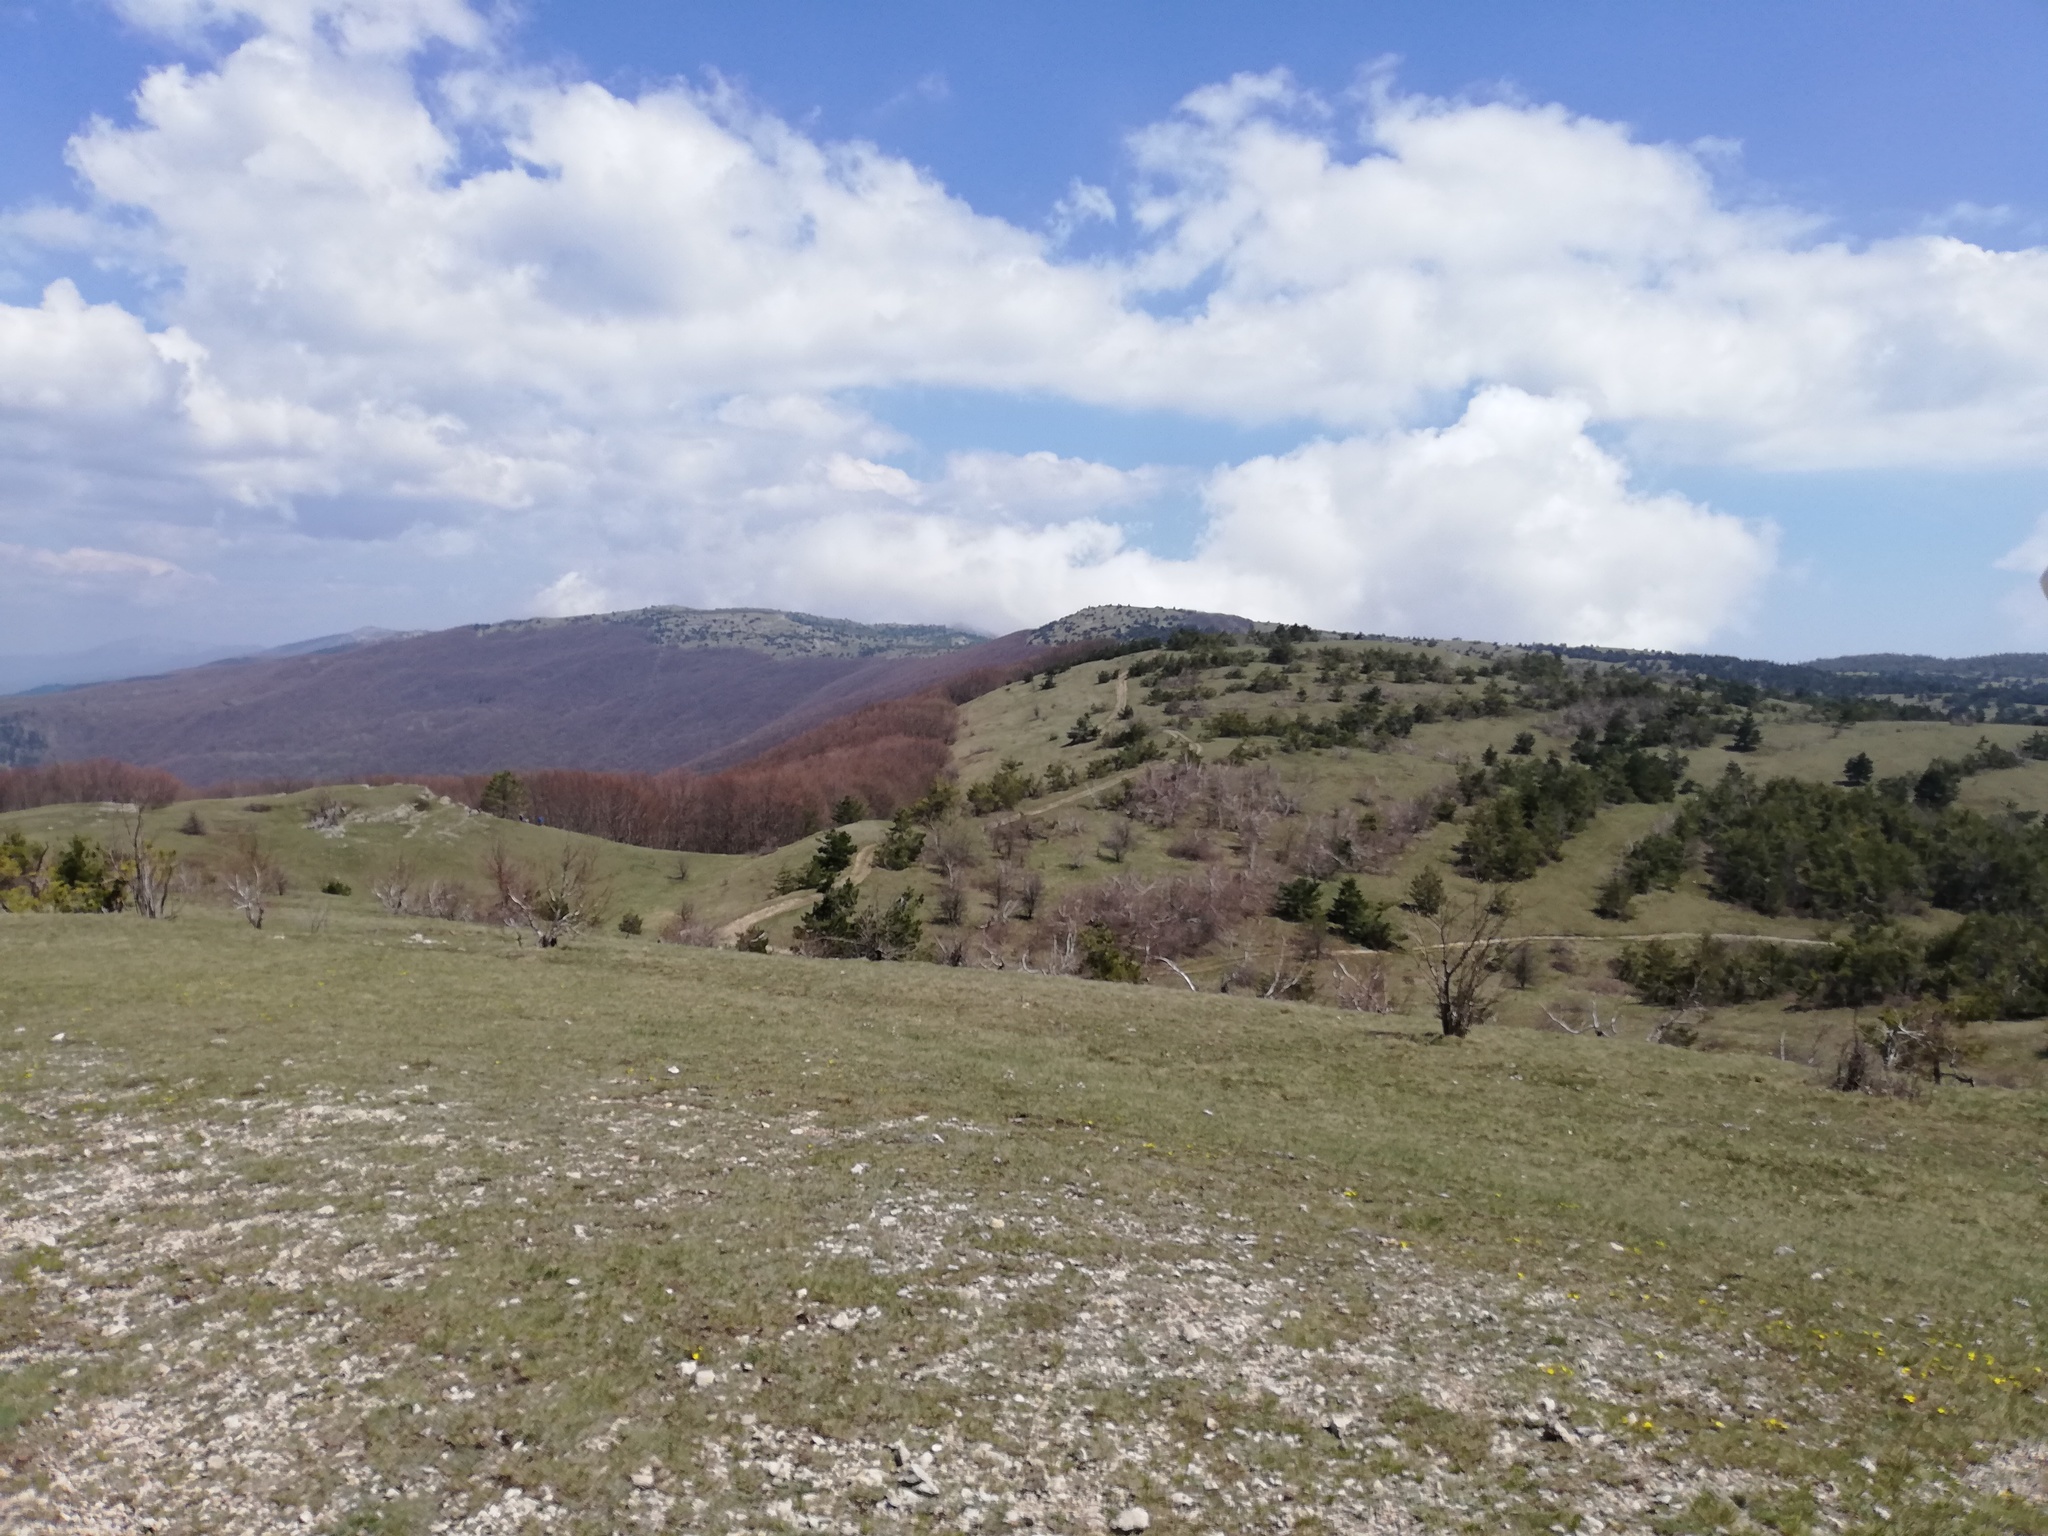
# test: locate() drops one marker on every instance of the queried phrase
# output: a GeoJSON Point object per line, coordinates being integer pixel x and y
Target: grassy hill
{"type": "Point", "coordinates": [349, 1230]}
{"type": "Point", "coordinates": [375, 1221]}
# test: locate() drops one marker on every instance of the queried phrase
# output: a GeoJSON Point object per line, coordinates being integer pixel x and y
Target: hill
{"type": "Point", "coordinates": [648, 690]}
{"type": "Point", "coordinates": [655, 1234]}
{"type": "Point", "coordinates": [383, 1225]}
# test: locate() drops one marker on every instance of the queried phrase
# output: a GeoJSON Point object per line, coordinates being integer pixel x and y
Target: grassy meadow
{"type": "Point", "coordinates": [382, 1221]}
{"type": "Point", "coordinates": [372, 1228]}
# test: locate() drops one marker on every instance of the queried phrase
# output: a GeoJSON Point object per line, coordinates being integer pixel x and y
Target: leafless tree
{"type": "Point", "coordinates": [393, 889]}
{"type": "Point", "coordinates": [1117, 841]}
{"type": "Point", "coordinates": [1594, 1025]}
{"type": "Point", "coordinates": [953, 848]}
{"type": "Point", "coordinates": [1013, 834]}
{"type": "Point", "coordinates": [686, 928]}
{"type": "Point", "coordinates": [552, 901]}
{"type": "Point", "coordinates": [150, 868]}
{"type": "Point", "coordinates": [251, 877]}
{"type": "Point", "coordinates": [1367, 992]}
{"type": "Point", "coordinates": [1465, 927]}
{"type": "Point", "coordinates": [1001, 885]}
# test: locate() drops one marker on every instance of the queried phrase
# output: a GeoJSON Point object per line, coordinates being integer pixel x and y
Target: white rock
{"type": "Point", "coordinates": [844, 1322]}
{"type": "Point", "coordinates": [704, 1378]}
{"type": "Point", "coordinates": [644, 1478]}
{"type": "Point", "coordinates": [1132, 1519]}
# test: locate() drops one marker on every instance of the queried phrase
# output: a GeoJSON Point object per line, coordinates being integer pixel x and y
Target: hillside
{"type": "Point", "coordinates": [654, 1234]}
{"type": "Point", "coordinates": [648, 690]}
{"type": "Point", "coordinates": [385, 1225]}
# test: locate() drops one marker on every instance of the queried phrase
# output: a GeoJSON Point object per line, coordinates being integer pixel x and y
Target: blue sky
{"type": "Point", "coordinates": [1695, 325]}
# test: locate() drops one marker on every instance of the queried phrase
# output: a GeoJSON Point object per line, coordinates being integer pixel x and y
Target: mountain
{"type": "Point", "coordinates": [119, 660]}
{"type": "Point", "coordinates": [1112, 622]}
{"type": "Point", "coordinates": [650, 689]}
{"type": "Point", "coordinates": [1954, 684]}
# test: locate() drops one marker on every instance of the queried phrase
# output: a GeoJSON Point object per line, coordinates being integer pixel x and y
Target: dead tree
{"type": "Point", "coordinates": [151, 868]}
{"type": "Point", "coordinates": [552, 903]}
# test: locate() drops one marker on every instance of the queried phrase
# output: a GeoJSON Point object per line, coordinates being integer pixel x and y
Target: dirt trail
{"type": "Point", "coordinates": [1614, 938]}
{"type": "Point", "coordinates": [726, 933]}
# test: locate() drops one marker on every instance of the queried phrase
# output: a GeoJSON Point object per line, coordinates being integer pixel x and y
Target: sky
{"type": "Point", "coordinates": [1690, 326]}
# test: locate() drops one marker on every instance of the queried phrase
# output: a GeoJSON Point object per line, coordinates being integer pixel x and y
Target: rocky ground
{"type": "Point", "coordinates": [654, 1309]}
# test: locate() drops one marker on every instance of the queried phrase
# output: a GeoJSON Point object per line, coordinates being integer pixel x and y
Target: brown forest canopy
{"type": "Point", "coordinates": [884, 755]}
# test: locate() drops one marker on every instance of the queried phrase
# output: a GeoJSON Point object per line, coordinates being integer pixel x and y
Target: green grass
{"type": "Point", "coordinates": [274, 1197]}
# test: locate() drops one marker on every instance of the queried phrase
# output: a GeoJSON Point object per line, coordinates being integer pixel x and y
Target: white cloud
{"type": "Point", "coordinates": [83, 569]}
{"type": "Point", "coordinates": [1512, 521]}
{"type": "Point", "coordinates": [636, 331]}
{"type": "Point", "coordinates": [571, 594]}
{"type": "Point", "coordinates": [66, 359]}
{"type": "Point", "coordinates": [1085, 203]}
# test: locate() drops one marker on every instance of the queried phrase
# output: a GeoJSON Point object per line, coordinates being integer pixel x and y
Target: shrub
{"type": "Point", "coordinates": [1710, 973]}
{"type": "Point", "coordinates": [630, 924]}
{"type": "Point", "coordinates": [836, 928]}
{"type": "Point", "coordinates": [903, 844]}
{"type": "Point", "coordinates": [1299, 901]}
{"type": "Point", "coordinates": [1938, 785]}
{"type": "Point", "coordinates": [1004, 790]}
{"type": "Point", "coordinates": [1103, 959]}
{"type": "Point", "coordinates": [334, 886]}
{"type": "Point", "coordinates": [830, 859]}
{"type": "Point", "coordinates": [1368, 924]}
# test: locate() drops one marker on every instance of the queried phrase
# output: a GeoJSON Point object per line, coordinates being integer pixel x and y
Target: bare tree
{"type": "Point", "coordinates": [250, 878]}
{"type": "Point", "coordinates": [1001, 885]}
{"type": "Point", "coordinates": [552, 902]}
{"type": "Point", "coordinates": [1459, 964]}
{"type": "Point", "coordinates": [1118, 840]}
{"type": "Point", "coordinates": [151, 869]}
{"type": "Point", "coordinates": [952, 848]}
{"type": "Point", "coordinates": [1594, 1025]}
{"type": "Point", "coordinates": [393, 888]}
{"type": "Point", "coordinates": [1367, 992]}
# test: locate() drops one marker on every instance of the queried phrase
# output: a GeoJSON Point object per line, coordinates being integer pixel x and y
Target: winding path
{"type": "Point", "coordinates": [727, 933]}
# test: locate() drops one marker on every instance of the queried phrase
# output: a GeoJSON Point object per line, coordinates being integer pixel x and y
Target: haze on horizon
{"type": "Point", "coordinates": [326, 313]}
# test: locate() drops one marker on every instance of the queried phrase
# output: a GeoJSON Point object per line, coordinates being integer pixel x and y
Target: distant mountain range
{"type": "Point", "coordinates": [121, 659]}
{"type": "Point", "coordinates": [2019, 677]}
{"type": "Point", "coordinates": [650, 689]}
{"type": "Point", "coordinates": [659, 688]}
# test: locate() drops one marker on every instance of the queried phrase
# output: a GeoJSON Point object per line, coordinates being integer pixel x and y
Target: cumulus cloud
{"type": "Point", "coordinates": [407, 311]}
{"type": "Point", "coordinates": [82, 569]}
{"type": "Point", "coordinates": [1509, 521]}
{"type": "Point", "coordinates": [571, 594]}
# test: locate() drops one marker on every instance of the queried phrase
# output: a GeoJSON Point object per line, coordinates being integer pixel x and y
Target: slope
{"type": "Point", "coordinates": [647, 690]}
